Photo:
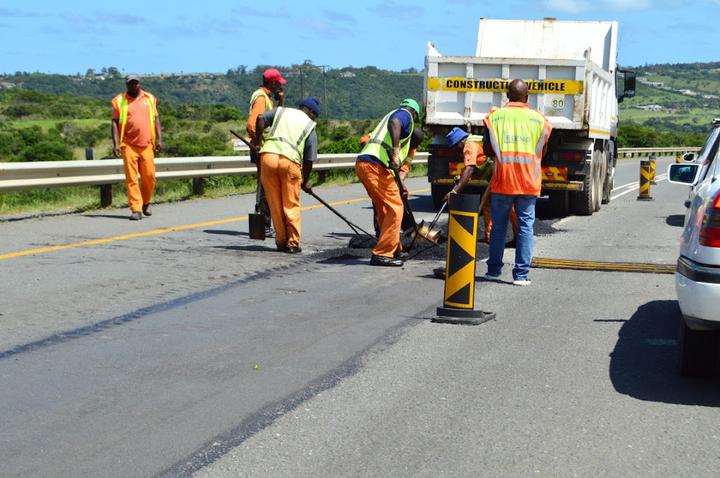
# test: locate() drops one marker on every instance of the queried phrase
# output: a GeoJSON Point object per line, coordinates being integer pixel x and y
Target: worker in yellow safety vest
{"type": "Point", "coordinates": [137, 136]}
{"type": "Point", "coordinates": [288, 146]}
{"type": "Point", "coordinates": [517, 136]}
{"type": "Point", "coordinates": [378, 162]}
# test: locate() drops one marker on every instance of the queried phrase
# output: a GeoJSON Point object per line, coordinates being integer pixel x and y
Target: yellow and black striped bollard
{"type": "Point", "coordinates": [459, 296]}
{"type": "Point", "coordinates": [652, 167]}
{"type": "Point", "coordinates": [645, 178]}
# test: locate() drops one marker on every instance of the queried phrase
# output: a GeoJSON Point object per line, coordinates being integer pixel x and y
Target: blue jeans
{"type": "Point", "coordinates": [500, 206]}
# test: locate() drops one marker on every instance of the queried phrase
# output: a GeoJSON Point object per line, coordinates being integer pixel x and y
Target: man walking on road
{"type": "Point", "coordinates": [262, 100]}
{"type": "Point", "coordinates": [288, 148]}
{"type": "Point", "coordinates": [136, 137]}
{"type": "Point", "coordinates": [517, 137]}
{"type": "Point", "coordinates": [378, 162]}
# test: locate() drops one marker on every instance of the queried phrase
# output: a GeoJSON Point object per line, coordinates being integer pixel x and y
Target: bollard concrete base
{"type": "Point", "coordinates": [451, 315]}
{"type": "Point", "coordinates": [645, 198]}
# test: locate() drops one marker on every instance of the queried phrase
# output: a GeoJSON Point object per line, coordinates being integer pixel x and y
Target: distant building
{"type": "Point", "coordinates": [347, 74]}
{"type": "Point", "coordinates": [650, 108]}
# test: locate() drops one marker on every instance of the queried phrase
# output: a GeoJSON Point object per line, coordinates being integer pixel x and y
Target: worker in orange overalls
{"type": "Point", "coordinates": [415, 140]}
{"type": "Point", "coordinates": [262, 100]}
{"type": "Point", "coordinates": [288, 146]}
{"type": "Point", "coordinates": [137, 135]}
{"type": "Point", "coordinates": [376, 166]}
{"type": "Point", "coordinates": [476, 163]}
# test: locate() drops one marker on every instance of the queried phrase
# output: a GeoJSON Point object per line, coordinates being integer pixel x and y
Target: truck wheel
{"type": "Point", "coordinates": [583, 202]}
{"type": "Point", "coordinates": [438, 193]}
{"type": "Point", "coordinates": [698, 351]}
{"type": "Point", "coordinates": [601, 169]}
{"type": "Point", "coordinates": [609, 185]}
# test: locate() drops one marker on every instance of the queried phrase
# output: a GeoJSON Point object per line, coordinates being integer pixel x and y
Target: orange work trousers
{"type": "Point", "coordinates": [487, 219]}
{"type": "Point", "coordinates": [281, 179]}
{"type": "Point", "coordinates": [139, 160]}
{"type": "Point", "coordinates": [382, 189]}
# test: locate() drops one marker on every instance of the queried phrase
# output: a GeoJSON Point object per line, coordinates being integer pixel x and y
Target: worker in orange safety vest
{"type": "Point", "coordinates": [137, 136]}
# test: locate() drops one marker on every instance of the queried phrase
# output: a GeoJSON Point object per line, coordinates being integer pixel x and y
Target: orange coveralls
{"type": "Point", "coordinates": [137, 150]}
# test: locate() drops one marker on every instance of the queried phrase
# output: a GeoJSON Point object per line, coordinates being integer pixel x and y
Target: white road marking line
{"type": "Point", "coordinates": [635, 186]}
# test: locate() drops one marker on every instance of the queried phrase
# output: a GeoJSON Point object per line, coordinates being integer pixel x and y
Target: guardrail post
{"type": "Point", "coordinates": [645, 176]}
{"type": "Point", "coordinates": [198, 186]}
{"type": "Point", "coordinates": [105, 189]}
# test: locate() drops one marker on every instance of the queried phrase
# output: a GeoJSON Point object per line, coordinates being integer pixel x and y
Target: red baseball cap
{"type": "Point", "coordinates": [271, 74]}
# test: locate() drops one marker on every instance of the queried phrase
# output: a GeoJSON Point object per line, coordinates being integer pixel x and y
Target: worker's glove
{"type": "Point", "coordinates": [306, 187]}
{"type": "Point", "coordinates": [395, 160]}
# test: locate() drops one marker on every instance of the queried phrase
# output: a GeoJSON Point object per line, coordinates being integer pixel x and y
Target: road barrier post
{"type": "Point", "coordinates": [105, 189]}
{"type": "Point", "coordinates": [652, 167]}
{"type": "Point", "coordinates": [459, 296]}
{"type": "Point", "coordinates": [198, 186]}
{"type": "Point", "coordinates": [645, 178]}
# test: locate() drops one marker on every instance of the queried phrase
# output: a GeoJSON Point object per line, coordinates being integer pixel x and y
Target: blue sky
{"type": "Point", "coordinates": [170, 36]}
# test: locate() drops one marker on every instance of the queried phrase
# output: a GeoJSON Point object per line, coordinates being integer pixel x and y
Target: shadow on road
{"type": "Point", "coordinates": [109, 216]}
{"type": "Point", "coordinates": [226, 232]}
{"type": "Point", "coordinates": [250, 248]}
{"type": "Point", "coordinates": [643, 364]}
{"type": "Point", "coordinates": [677, 220]}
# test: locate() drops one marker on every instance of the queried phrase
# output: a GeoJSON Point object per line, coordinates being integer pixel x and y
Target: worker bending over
{"type": "Point", "coordinates": [476, 163]}
{"type": "Point", "coordinates": [288, 146]}
{"type": "Point", "coordinates": [378, 162]}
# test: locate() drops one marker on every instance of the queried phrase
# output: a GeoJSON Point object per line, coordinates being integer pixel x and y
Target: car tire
{"type": "Point", "coordinates": [699, 352]}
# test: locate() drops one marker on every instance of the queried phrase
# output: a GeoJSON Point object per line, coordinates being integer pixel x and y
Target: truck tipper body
{"type": "Point", "coordinates": [571, 71]}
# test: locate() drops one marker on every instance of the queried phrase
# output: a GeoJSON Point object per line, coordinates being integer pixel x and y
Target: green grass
{"type": "Point", "coordinates": [47, 124]}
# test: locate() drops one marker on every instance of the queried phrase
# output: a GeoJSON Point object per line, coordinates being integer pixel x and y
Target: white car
{"type": "Point", "coordinates": [697, 277]}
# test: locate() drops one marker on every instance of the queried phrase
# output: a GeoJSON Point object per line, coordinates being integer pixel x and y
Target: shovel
{"type": "Point", "coordinates": [256, 220]}
{"type": "Point", "coordinates": [356, 229]}
{"type": "Point", "coordinates": [416, 229]}
{"type": "Point", "coordinates": [426, 232]}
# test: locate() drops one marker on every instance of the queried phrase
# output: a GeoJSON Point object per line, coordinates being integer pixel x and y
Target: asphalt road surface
{"type": "Point", "coordinates": [177, 346]}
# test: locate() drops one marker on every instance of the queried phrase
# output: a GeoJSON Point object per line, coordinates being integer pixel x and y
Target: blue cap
{"type": "Point", "coordinates": [456, 135]}
{"type": "Point", "coordinates": [312, 104]}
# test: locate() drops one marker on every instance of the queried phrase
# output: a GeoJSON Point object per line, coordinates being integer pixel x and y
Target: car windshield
{"type": "Point", "coordinates": [708, 146]}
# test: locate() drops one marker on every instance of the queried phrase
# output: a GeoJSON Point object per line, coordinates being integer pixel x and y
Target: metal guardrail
{"type": "Point", "coordinates": [41, 174]}
{"type": "Point", "coordinates": [34, 175]}
{"type": "Point", "coordinates": [646, 152]}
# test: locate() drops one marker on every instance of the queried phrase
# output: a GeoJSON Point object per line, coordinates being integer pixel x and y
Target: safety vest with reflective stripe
{"type": "Point", "coordinates": [380, 144]}
{"type": "Point", "coordinates": [261, 92]}
{"type": "Point", "coordinates": [518, 135]}
{"type": "Point", "coordinates": [121, 102]}
{"type": "Point", "coordinates": [287, 135]}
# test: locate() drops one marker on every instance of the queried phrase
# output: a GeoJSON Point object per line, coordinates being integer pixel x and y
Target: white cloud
{"type": "Point", "coordinates": [582, 6]}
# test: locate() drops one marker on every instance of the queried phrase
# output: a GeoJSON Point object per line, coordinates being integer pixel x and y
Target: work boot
{"type": "Point", "coordinates": [147, 210]}
{"type": "Point", "coordinates": [385, 261]}
{"type": "Point", "coordinates": [402, 255]}
{"type": "Point", "coordinates": [439, 272]}
{"type": "Point", "coordinates": [269, 231]}
{"type": "Point", "coordinates": [293, 250]}
{"type": "Point", "coordinates": [135, 216]}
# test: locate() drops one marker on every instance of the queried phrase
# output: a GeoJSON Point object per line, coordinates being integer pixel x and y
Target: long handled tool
{"type": "Point", "coordinates": [356, 229]}
{"type": "Point", "coordinates": [426, 232]}
{"type": "Point", "coordinates": [257, 220]}
{"type": "Point", "coordinates": [406, 204]}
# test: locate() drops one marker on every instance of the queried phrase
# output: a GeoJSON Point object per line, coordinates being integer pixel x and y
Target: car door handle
{"type": "Point", "coordinates": [687, 203]}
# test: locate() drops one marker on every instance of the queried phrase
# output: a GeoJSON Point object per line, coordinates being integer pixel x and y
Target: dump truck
{"type": "Point", "coordinates": [573, 78]}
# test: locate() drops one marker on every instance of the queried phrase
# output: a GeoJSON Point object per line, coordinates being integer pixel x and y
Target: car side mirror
{"type": "Point", "coordinates": [688, 157]}
{"type": "Point", "coordinates": [682, 173]}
